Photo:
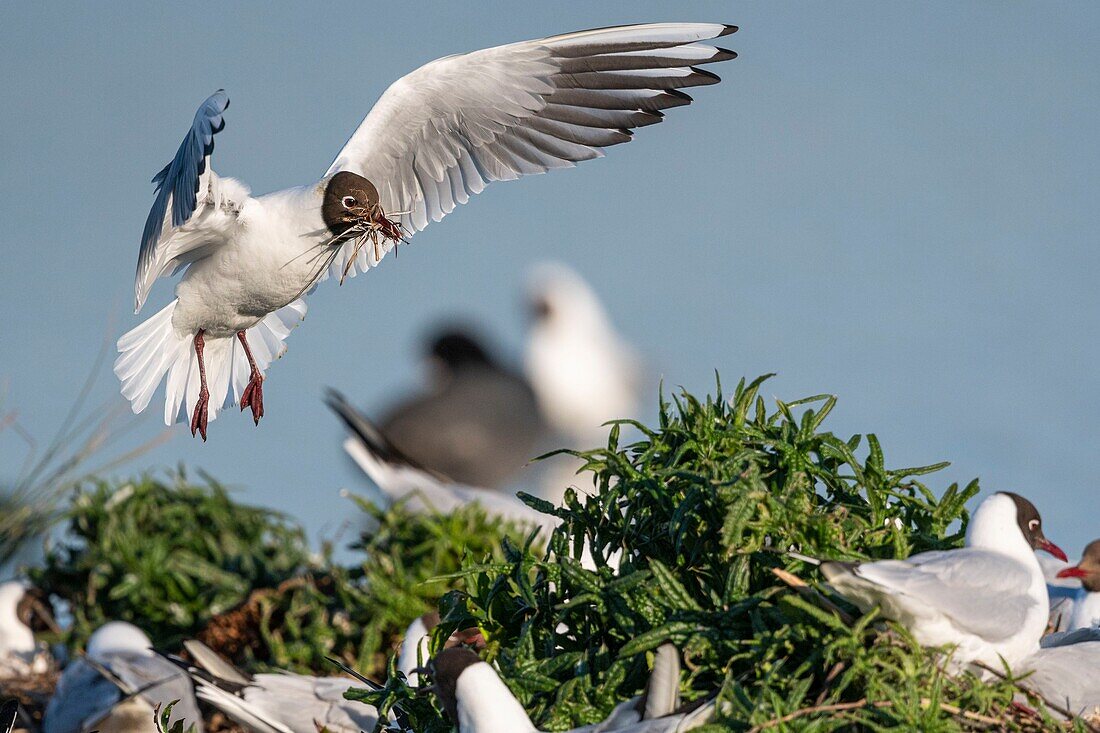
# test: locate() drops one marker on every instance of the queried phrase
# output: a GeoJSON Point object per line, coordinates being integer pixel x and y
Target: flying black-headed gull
{"type": "Point", "coordinates": [22, 609]}
{"type": "Point", "coordinates": [399, 477]}
{"type": "Point", "coordinates": [1083, 610]}
{"type": "Point", "coordinates": [988, 599]}
{"type": "Point", "coordinates": [434, 138]}
{"type": "Point", "coordinates": [120, 677]}
{"type": "Point", "coordinates": [583, 372]}
{"type": "Point", "coordinates": [282, 702]}
{"type": "Point", "coordinates": [477, 701]}
{"type": "Point", "coordinates": [477, 422]}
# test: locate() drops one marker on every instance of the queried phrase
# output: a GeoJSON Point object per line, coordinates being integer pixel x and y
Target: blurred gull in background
{"type": "Point", "coordinates": [21, 610]}
{"type": "Point", "coordinates": [583, 372]}
{"type": "Point", "coordinates": [400, 478]}
{"type": "Point", "coordinates": [477, 422]}
{"type": "Point", "coordinates": [117, 685]}
{"type": "Point", "coordinates": [1080, 606]}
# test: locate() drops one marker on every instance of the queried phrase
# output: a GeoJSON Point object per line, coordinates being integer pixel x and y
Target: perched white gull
{"type": "Point", "coordinates": [120, 677]}
{"type": "Point", "coordinates": [1062, 592]}
{"type": "Point", "coordinates": [281, 702]}
{"type": "Point", "coordinates": [988, 599]}
{"type": "Point", "coordinates": [477, 422]}
{"type": "Point", "coordinates": [477, 701]}
{"type": "Point", "coordinates": [413, 652]}
{"type": "Point", "coordinates": [20, 607]}
{"type": "Point", "coordinates": [434, 138]}
{"type": "Point", "coordinates": [1083, 609]}
{"type": "Point", "coordinates": [1065, 671]}
{"type": "Point", "coordinates": [399, 477]}
{"type": "Point", "coordinates": [583, 372]}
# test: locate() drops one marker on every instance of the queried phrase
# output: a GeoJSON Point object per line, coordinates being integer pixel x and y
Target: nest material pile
{"type": "Point", "coordinates": [33, 693]}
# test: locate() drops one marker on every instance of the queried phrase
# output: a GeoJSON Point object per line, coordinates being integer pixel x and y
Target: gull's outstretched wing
{"type": "Point", "coordinates": [445, 131]}
{"type": "Point", "coordinates": [193, 207]}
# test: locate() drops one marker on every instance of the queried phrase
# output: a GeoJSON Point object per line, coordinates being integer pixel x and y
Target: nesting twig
{"type": "Point", "coordinates": [828, 683]}
{"type": "Point", "coordinates": [863, 703]}
{"type": "Point", "coordinates": [803, 589]}
{"type": "Point", "coordinates": [374, 226]}
{"type": "Point", "coordinates": [814, 709]}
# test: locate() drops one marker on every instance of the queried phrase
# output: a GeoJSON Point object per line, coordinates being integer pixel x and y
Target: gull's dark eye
{"type": "Point", "coordinates": [1033, 524]}
{"type": "Point", "coordinates": [349, 201]}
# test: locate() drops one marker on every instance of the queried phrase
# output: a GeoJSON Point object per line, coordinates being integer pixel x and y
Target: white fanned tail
{"type": "Point", "coordinates": [155, 349]}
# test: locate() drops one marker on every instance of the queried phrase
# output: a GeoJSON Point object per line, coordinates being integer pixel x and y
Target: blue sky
{"type": "Point", "coordinates": [894, 203]}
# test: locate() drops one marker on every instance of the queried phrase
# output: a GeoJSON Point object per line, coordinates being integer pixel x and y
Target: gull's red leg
{"type": "Point", "coordinates": [198, 419]}
{"type": "Point", "coordinates": [253, 395]}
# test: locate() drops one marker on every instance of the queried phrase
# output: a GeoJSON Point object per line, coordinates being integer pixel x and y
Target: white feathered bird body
{"type": "Point", "coordinates": [436, 137]}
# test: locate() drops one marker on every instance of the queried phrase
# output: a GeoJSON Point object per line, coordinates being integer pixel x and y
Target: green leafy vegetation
{"type": "Point", "coordinates": [162, 720]}
{"type": "Point", "coordinates": [360, 612]}
{"type": "Point", "coordinates": [695, 511]}
{"type": "Point", "coordinates": [687, 527]}
{"type": "Point", "coordinates": [164, 554]}
{"type": "Point", "coordinates": [182, 559]}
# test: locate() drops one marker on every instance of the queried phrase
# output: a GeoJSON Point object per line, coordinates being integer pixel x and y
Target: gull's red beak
{"type": "Point", "coordinates": [1053, 549]}
{"type": "Point", "coordinates": [1072, 572]}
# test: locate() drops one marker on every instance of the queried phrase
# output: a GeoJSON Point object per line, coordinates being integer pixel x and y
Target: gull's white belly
{"type": "Point", "coordinates": [271, 263]}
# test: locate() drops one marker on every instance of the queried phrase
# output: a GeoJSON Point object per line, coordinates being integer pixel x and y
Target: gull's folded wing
{"type": "Point", "coordinates": [982, 592]}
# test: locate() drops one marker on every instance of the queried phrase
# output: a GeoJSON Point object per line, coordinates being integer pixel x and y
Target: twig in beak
{"type": "Point", "coordinates": [372, 224]}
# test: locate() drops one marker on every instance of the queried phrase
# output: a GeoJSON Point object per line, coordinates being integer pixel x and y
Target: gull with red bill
{"type": "Point", "coordinates": [988, 599]}
{"type": "Point", "coordinates": [1084, 611]}
{"type": "Point", "coordinates": [434, 139]}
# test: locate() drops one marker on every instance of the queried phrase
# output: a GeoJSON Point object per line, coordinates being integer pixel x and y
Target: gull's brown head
{"type": "Point", "coordinates": [1088, 570]}
{"type": "Point", "coordinates": [445, 670]}
{"type": "Point", "coordinates": [1031, 526]}
{"type": "Point", "coordinates": [36, 611]}
{"type": "Point", "coordinates": [349, 200]}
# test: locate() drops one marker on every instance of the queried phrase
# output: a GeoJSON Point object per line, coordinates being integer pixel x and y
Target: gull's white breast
{"type": "Point", "coordinates": [278, 252]}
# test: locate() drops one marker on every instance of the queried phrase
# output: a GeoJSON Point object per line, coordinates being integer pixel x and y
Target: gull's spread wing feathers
{"type": "Point", "coordinates": [445, 131]}
{"type": "Point", "coordinates": [193, 206]}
